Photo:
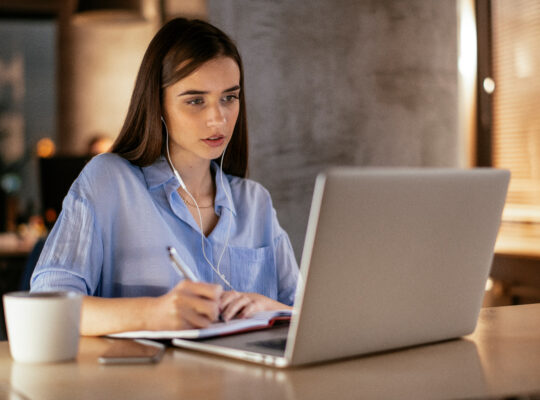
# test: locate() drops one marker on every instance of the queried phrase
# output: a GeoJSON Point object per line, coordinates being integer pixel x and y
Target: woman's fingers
{"type": "Point", "coordinates": [194, 304]}
{"type": "Point", "coordinates": [228, 297]}
{"type": "Point", "coordinates": [205, 308]}
{"type": "Point", "coordinates": [249, 310]}
{"type": "Point", "coordinates": [244, 305]}
{"type": "Point", "coordinates": [233, 304]}
{"type": "Point", "coordinates": [197, 305]}
{"type": "Point", "coordinates": [194, 319]}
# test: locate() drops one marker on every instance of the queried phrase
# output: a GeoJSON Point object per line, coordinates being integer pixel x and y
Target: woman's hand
{"type": "Point", "coordinates": [188, 305]}
{"type": "Point", "coordinates": [244, 305]}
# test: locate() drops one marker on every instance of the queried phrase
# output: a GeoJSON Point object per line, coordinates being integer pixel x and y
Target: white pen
{"type": "Point", "coordinates": [182, 269]}
{"type": "Point", "coordinates": [180, 266]}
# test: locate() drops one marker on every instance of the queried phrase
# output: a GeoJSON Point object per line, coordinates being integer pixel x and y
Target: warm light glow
{"type": "Point", "coordinates": [98, 145]}
{"type": "Point", "coordinates": [489, 85]}
{"type": "Point", "coordinates": [489, 284]}
{"type": "Point", "coordinates": [467, 61]}
{"type": "Point", "coordinates": [45, 148]}
{"type": "Point", "coordinates": [467, 41]}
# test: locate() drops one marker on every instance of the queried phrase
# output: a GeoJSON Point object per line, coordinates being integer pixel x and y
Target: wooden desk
{"type": "Point", "coordinates": [501, 358]}
{"type": "Point", "coordinates": [516, 265]}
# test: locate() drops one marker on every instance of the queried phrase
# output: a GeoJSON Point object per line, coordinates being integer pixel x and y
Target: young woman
{"type": "Point", "coordinates": [175, 177]}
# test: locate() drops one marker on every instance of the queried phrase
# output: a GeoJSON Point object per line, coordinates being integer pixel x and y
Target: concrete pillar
{"type": "Point", "coordinates": [185, 8]}
{"type": "Point", "coordinates": [100, 53]}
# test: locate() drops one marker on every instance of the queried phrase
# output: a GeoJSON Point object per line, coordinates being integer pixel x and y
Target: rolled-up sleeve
{"type": "Point", "coordinates": [72, 251]}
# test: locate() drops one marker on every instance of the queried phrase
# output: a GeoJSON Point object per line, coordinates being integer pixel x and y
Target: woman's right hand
{"type": "Point", "coordinates": [188, 305]}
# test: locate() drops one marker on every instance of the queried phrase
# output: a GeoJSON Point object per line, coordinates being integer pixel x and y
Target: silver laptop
{"type": "Point", "coordinates": [392, 258]}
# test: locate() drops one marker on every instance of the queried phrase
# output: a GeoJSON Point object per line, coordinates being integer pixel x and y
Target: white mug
{"type": "Point", "coordinates": [43, 327]}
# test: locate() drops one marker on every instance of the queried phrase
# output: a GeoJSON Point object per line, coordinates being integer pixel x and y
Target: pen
{"type": "Point", "coordinates": [182, 269]}
{"type": "Point", "coordinates": [180, 266]}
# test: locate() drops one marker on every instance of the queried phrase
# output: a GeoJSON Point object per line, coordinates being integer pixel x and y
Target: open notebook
{"type": "Point", "coordinates": [260, 320]}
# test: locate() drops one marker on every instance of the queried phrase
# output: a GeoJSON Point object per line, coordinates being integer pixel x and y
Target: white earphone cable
{"type": "Point", "coordinates": [215, 269]}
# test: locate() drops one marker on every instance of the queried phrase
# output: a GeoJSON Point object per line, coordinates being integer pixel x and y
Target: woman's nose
{"type": "Point", "coordinates": [216, 118]}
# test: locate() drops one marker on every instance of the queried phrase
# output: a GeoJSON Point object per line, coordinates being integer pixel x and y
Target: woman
{"type": "Point", "coordinates": [175, 177]}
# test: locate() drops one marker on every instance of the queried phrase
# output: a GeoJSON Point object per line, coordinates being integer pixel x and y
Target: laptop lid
{"type": "Point", "coordinates": [392, 258]}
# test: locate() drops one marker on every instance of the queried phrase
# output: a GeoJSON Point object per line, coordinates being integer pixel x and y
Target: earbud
{"type": "Point", "coordinates": [180, 180]}
{"type": "Point", "coordinates": [182, 184]}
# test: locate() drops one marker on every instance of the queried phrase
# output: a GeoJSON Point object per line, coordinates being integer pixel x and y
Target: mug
{"type": "Point", "coordinates": [43, 327]}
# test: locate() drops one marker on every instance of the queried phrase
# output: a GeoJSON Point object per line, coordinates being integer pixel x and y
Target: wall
{"type": "Point", "coordinates": [336, 82]}
{"type": "Point", "coordinates": [100, 54]}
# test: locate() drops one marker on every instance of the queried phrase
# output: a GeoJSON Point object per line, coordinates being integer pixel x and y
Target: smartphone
{"type": "Point", "coordinates": [132, 351]}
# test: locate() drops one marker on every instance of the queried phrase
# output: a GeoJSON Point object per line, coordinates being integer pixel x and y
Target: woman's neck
{"type": "Point", "coordinates": [197, 177]}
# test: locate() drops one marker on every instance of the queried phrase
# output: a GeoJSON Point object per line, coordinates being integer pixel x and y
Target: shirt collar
{"type": "Point", "coordinates": [159, 173]}
{"type": "Point", "coordinates": [221, 197]}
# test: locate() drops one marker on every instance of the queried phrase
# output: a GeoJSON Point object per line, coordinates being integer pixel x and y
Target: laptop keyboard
{"type": "Point", "coordinates": [273, 344]}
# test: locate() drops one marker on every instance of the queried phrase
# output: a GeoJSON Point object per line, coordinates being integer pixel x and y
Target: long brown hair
{"type": "Point", "coordinates": [189, 43]}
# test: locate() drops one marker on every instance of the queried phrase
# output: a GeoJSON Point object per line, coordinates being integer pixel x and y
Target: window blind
{"type": "Point", "coordinates": [516, 99]}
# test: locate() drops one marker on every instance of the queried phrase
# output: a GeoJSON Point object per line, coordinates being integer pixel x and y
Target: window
{"type": "Point", "coordinates": [509, 96]}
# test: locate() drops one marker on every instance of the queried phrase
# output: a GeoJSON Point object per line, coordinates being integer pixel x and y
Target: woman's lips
{"type": "Point", "coordinates": [214, 141]}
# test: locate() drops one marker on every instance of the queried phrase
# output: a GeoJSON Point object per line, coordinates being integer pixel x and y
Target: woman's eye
{"type": "Point", "coordinates": [195, 102]}
{"type": "Point", "coordinates": [230, 98]}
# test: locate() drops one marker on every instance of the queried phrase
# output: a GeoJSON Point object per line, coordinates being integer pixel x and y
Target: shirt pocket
{"type": "Point", "coordinates": [253, 270]}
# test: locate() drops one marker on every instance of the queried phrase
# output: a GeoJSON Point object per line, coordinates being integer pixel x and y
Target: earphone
{"type": "Point", "coordinates": [183, 186]}
{"type": "Point", "coordinates": [175, 172]}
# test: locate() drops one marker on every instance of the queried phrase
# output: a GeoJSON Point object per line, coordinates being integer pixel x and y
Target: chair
{"type": "Point", "coordinates": [31, 262]}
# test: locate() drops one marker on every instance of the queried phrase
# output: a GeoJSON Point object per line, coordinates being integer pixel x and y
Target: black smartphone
{"type": "Point", "coordinates": [132, 351]}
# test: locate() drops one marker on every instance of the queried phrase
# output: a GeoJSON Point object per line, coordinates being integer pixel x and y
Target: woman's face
{"type": "Point", "coordinates": [201, 110]}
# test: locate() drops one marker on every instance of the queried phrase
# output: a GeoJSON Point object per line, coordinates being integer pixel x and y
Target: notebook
{"type": "Point", "coordinates": [392, 258]}
{"type": "Point", "coordinates": [260, 320]}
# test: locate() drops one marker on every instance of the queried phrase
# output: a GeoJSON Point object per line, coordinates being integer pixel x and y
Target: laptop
{"type": "Point", "coordinates": [392, 258]}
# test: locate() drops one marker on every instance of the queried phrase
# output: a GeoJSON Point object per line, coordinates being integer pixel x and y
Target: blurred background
{"type": "Point", "coordinates": [419, 83]}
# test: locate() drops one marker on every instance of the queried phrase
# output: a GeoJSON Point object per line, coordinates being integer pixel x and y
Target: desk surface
{"type": "Point", "coordinates": [501, 358]}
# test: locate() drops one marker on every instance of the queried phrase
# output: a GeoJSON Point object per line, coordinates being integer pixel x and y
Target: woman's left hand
{"type": "Point", "coordinates": [244, 305]}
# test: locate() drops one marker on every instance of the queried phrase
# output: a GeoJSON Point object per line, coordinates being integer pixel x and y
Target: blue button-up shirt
{"type": "Point", "coordinates": [118, 219]}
